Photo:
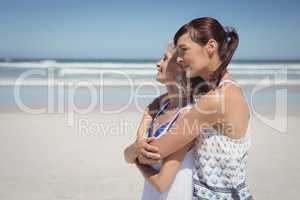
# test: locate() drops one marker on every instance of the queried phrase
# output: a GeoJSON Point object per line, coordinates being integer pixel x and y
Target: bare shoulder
{"type": "Point", "coordinates": [153, 107]}
{"type": "Point", "coordinates": [235, 111]}
{"type": "Point", "coordinates": [233, 97]}
{"type": "Point", "coordinates": [206, 110]}
{"type": "Point", "coordinates": [210, 103]}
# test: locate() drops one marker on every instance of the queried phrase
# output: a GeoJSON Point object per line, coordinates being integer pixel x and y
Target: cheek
{"type": "Point", "coordinates": [164, 69]}
{"type": "Point", "coordinates": [187, 57]}
{"type": "Point", "coordinates": [160, 77]}
{"type": "Point", "coordinates": [201, 58]}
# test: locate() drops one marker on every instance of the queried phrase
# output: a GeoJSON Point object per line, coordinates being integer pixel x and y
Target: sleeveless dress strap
{"type": "Point", "coordinates": [161, 110]}
{"type": "Point", "coordinates": [173, 119]}
{"type": "Point", "coordinates": [228, 81]}
{"type": "Point", "coordinates": [165, 105]}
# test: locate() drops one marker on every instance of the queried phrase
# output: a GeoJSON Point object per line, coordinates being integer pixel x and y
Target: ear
{"type": "Point", "coordinates": [211, 46]}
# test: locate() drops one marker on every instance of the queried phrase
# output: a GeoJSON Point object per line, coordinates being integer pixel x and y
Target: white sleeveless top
{"type": "Point", "coordinates": [182, 186]}
{"type": "Point", "coordinates": [220, 165]}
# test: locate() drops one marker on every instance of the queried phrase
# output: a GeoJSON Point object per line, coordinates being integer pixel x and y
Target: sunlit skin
{"type": "Point", "coordinates": [226, 104]}
{"type": "Point", "coordinates": [170, 74]}
{"type": "Point", "coordinates": [162, 66]}
{"type": "Point", "coordinates": [198, 60]}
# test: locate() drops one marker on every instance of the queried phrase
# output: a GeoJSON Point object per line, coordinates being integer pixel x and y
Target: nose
{"type": "Point", "coordinates": [157, 65]}
{"type": "Point", "coordinates": [179, 61]}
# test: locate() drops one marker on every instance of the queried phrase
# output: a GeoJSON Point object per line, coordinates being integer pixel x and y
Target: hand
{"type": "Point", "coordinates": [146, 153]}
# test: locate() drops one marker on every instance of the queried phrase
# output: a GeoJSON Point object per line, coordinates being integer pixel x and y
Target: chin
{"type": "Point", "coordinates": [193, 75]}
{"type": "Point", "coordinates": [159, 79]}
{"type": "Point", "coordinates": [189, 73]}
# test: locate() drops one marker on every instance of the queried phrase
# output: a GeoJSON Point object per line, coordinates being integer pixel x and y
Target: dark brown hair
{"type": "Point", "coordinates": [201, 30]}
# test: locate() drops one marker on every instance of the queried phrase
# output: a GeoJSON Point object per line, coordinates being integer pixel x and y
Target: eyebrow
{"type": "Point", "coordinates": [182, 45]}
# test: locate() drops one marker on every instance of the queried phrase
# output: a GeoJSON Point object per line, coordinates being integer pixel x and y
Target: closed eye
{"type": "Point", "coordinates": [165, 57]}
{"type": "Point", "coordinates": [182, 51]}
{"type": "Point", "coordinates": [183, 47]}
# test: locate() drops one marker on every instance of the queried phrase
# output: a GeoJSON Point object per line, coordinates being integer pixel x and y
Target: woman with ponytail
{"type": "Point", "coordinates": [218, 120]}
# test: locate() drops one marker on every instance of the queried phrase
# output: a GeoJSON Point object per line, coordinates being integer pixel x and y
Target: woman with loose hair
{"type": "Point", "coordinates": [164, 178]}
{"type": "Point", "coordinates": [218, 120]}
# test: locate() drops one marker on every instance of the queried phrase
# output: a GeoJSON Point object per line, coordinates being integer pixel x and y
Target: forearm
{"type": "Point", "coordinates": [163, 179]}
{"type": "Point", "coordinates": [130, 154]}
{"type": "Point", "coordinates": [187, 127]}
{"type": "Point", "coordinates": [152, 176]}
{"type": "Point", "coordinates": [144, 124]}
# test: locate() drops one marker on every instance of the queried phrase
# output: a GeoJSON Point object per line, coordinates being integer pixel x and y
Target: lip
{"type": "Point", "coordinates": [188, 71]}
{"type": "Point", "coordinates": [158, 69]}
{"type": "Point", "coordinates": [182, 66]}
{"type": "Point", "coordinates": [185, 67]}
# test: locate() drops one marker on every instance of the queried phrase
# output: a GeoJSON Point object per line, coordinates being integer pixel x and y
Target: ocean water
{"type": "Point", "coordinates": [125, 83]}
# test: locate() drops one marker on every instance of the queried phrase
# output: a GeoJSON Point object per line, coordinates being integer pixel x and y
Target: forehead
{"type": "Point", "coordinates": [170, 51]}
{"type": "Point", "coordinates": [185, 39]}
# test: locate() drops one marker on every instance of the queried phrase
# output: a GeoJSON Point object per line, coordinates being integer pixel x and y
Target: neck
{"type": "Point", "coordinates": [225, 76]}
{"type": "Point", "coordinates": [175, 96]}
{"type": "Point", "coordinates": [214, 64]}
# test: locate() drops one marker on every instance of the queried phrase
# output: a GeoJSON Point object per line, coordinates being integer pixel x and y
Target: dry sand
{"type": "Point", "coordinates": [44, 159]}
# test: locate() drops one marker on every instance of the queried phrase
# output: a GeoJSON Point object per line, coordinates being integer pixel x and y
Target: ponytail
{"type": "Point", "coordinates": [226, 52]}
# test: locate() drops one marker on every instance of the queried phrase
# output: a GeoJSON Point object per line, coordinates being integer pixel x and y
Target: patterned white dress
{"type": "Point", "coordinates": [220, 166]}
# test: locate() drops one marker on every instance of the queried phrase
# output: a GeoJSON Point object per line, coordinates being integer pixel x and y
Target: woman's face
{"type": "Point", "coordinates": [167, 68]}
{"type": "Point", "coordinates": [192, 57]}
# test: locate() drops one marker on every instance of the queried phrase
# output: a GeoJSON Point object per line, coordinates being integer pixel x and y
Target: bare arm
{"type": "Point", "coordinates": [189, 125]}
{"type": "Point", "coordinates": [217, 107]}
{"type": "Point", "coordinates": [149, 152]}
{"type": "Point", "coordinates": [163, 179]}
{"type": "Point", "coordinates": [130, 152]}
{"type": "Point", "coordinates": [144, 124]}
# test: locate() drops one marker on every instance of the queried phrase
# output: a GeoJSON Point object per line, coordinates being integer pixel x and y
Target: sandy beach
{"type": "Point", "coordinates": [76, 77]}
{"type": "Point", "coordinates": [44, 158]}
{"type": "Point", "coordinates": [62, 154]}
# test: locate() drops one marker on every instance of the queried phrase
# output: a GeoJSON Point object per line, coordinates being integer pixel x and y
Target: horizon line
{"type": "Point", "coordinates": [136, 59]}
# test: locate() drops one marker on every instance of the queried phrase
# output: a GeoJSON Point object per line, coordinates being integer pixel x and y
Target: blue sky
{"type": "Point", "coordinates": [141, 29]}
